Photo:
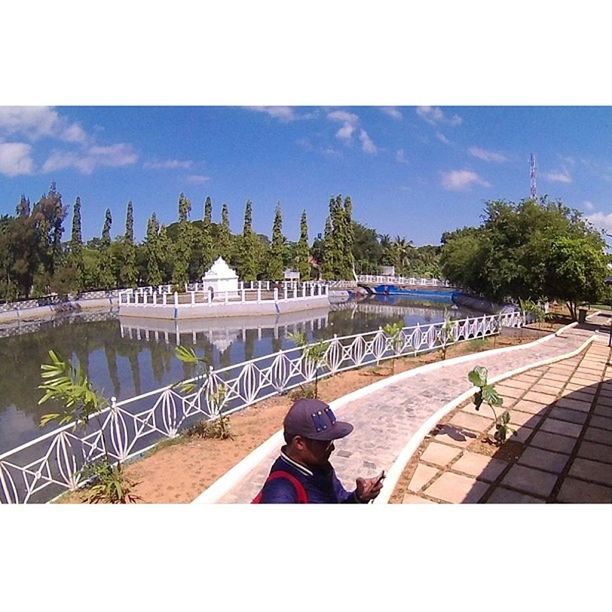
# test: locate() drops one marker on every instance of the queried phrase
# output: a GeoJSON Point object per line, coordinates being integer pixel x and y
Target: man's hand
{"type": "Point", "coordinates": [369, 488]}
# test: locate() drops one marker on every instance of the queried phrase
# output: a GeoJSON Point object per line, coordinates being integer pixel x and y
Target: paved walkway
{"type": "Point", "coordinates": [388, 414]}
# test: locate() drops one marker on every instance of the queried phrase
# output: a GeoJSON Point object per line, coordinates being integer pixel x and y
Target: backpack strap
{"type": "Point", "coordinates": [299, 487]}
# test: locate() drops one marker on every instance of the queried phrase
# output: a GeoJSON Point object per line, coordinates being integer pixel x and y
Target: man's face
{"type": "Point", "coordinates": [316, 452]}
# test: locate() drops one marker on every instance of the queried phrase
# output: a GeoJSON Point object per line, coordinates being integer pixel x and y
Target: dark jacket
{"type": "Point", "coordinates": [321, 484]}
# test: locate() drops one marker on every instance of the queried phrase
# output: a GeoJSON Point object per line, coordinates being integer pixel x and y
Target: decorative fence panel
{"type": "Point", "coordinates": [43, 468]}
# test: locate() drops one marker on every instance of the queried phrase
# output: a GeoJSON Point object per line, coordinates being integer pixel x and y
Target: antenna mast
{"type": "Point", "coordinates": [533, 192]}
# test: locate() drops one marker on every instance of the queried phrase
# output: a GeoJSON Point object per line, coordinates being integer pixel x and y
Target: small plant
{"type": "Point", "coordinates": [529, 307]}
{"type": "Point", "coordinates": [487, 394]}
{"type": "Point", "coordinates": [447, 332]}
{"type": "Point", "coordinates": [313, 353]}
{"type": "Point", "coordinates": [69, 385]}
{"type": "Point", "coordinates": [303, 392]}
{"type": "Point", "coordinates": [108, 484]}
{"type": "Point", "coordinates": [394, 332]}
{"type": "Point", "coordinates": [219, 425]}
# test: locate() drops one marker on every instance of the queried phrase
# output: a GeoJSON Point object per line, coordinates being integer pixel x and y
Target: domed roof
{"type": "Point", "coordinates": [220, 270]}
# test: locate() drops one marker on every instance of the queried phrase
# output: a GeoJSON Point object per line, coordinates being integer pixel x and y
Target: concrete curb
{"type": "Point", "coordinates": [405, 456]}
{"type": "Point", "coordinates": [232, 477]}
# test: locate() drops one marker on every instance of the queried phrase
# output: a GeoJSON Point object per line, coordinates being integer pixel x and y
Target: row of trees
{"type": "Point", "coordinates": [531, 250]}
{"type": "Point", "coordinates": [36, 260]}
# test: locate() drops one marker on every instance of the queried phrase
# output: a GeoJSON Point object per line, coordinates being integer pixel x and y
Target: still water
{"type": "Point", "coordinates": [124, 357]}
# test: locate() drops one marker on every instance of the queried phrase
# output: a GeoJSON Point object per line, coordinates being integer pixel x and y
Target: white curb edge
{"type": "Point", "coordinates": [396, 470]}
{"type": "Point", "coordinates": [230, 479]}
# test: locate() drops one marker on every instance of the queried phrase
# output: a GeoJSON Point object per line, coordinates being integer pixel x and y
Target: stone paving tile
{"type": "Point", "coordinates": [471, 421]}
{"type": "Point", "coordinates": [541, 398]}
{"type": "Point", "coordinates": [544, 460]}
{"type": "Point", "coordinates": [561, 427]}
{"type": "Point", "coordinates": [549, 389]}
{"type": "Point", "coordinates": [594, 434]}
{"type": "Point", "coordinates": [577, 491]}
{"type": "Point", "coordinates": [602, 400]}
{"type": "Point", "coordinates": [516, 383]}
{"type": "Point", "coordinates": [574, 404]}
{"type": "Point", "coordinates": [483, 412]}
{"type": "Point", "coordinates": [440, 454]}
{"type": "Point", "coordinates": [591, 470]}
{"type": "Point", "coordinates": [579, 396]}
{"type": "Point", "coordinates": [501, 495]}
{"type": "Point", "coordinates": [553, 442]}
{"type": "Point", "coordinates": [422, 475]}
{"type": "Point", "coordinates": [531, 407]}
{"type": "Point", "coordinates": [601, 422]}
{"type": "Point", "coordinates": [596, 452]}
{"type": "Point", "coordinates": [455, 436]}
{"type": "Point", "coordinates": [563, 414]}
{"type": "Point", "coordinates": [410, 498]}
{"type": "Point", "coordinates": [530, 480]}
{"type": "Point", "coordinates": [524, 418]}
{"type": "Point", "coordinates": [589, 389]}
{"type": "Point", "coordinates": [457, 489]}
{"type": "Point", "coordinates": [506, 391]}
{"type": "Point", "coordinates": [554, 376]}
{"type": "Point", "coordinates": [605, 411]}
{"type": "Point", "coordinates": [480, 466]}
{"type": "Point", "coordinates": [586, 382]}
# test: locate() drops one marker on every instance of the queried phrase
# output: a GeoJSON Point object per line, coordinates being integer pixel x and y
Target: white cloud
{"type": "Point", "coordinates": [442, 138]}
{"type": "Point", "coordinates": [561, 176]}
{"type": "Point", "coordinates": [345, 132]}
{"type": "Point", "coordinates": [435, 116]}
{"type": "Point", "coordinates": [392, 112]}
{"type": "Point", "coordinates": [35, 122]}
{"type": "Point", "coordinates": [112, 156]}
{"type": "Point", "coordinates": [400, 157]}
{"type": "Point", "coordinates": [366, 143]}
{"type": "Point", "coordinates": [285, 114]}
{"type": "Point", "coordinates": [461, 180]}
{"type": "Point", "coordinates": [349, 124]}
{"type": "Point", "coordinates": [168, 164]}
{"type": "Point", "coordinates": [488, 156]}
{"type": "Point", "coordinates": [588, 205]}
{"type": "Point", "coordinates": [198, 179]}
{"type": "Point", "coordinates": [601, 220]}
{"type": "Point", "coordinates": [15, 158]}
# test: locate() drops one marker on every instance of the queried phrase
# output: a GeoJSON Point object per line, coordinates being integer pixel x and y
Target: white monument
{"type": "Point", "coordinates": [221, 279]}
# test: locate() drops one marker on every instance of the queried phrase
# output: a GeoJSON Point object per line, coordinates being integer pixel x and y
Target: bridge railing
{"type": "Point", "coordinates": [40, 470]}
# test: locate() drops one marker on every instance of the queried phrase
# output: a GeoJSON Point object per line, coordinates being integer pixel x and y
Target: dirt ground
{"type": "Point", "coordinates": [178, 471]}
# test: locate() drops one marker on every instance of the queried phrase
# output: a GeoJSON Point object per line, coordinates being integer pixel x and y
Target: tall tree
{"type": "Point", "coordinates": [128, 275]}
{"type": "Point", "coordinates": [154, 257]}
{"type": "Point", "coordinates": [106, 275]}
{"type": "Point", "coordinates": [183, 245]}
{"type": "Point", "coordinates": [208, 212]}
{"type": "Point", "coordinates": [203, 248]}
{"type": "Point", "coordinates": [275, 260]}
{"type": "Point", "coordinates": [108, 221]}
{"type": "Point", "coordinates": [302, 253]}
{"type": "Point", "coordinates": [224, 242]}
{"type": "Point", "coordinates": [23, 208]}
{"type": "Point", "coordinates": [329, 252]}
{"type": "Point", "coordinates": [76, 245]}
{"type": "Point", "coordinates": [247, 256]}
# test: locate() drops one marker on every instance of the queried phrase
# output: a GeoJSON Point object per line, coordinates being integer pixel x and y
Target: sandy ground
{"type": "Point", "coordinates": [178, 471]}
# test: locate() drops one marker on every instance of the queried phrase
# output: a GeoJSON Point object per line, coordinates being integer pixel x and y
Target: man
{"type": "Point", "coordinates": [303, 473]}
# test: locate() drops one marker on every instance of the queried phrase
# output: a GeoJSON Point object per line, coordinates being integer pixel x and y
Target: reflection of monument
{"type": "Point", "coordinates": [222, 338]}
{"type": "Point", "coordinates": [221, 279]}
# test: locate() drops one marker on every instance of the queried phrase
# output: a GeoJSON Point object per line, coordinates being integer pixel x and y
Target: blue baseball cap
{"type": "Point", "coordinates": [314, 419]}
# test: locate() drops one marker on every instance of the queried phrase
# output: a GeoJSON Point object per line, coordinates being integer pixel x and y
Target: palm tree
{"type": "Point", "coordinates": [400, 250]}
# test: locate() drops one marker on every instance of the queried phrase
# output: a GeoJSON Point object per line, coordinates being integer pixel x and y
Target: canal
{"type": "Point", "coordinates": [124, 357]}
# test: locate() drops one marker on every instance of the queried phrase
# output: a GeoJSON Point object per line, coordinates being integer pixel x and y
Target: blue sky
{"type": "Point", "coordinates": [410, 171]}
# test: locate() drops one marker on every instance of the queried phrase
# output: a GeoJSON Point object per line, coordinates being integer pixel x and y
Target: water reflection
{"type": "Point", "coordinates": [127, 356]}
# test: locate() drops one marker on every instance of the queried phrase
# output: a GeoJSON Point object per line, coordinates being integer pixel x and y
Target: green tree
{"type": "Point", "coordinates": [128, 276]}
{"type": "Point", "coordinates": [275, 260]}
{"type": "Point", "coordinates": [106, 275]}
{"type": "Point", "coordinates": [302, 253]}
{"type": "Point", "coordinates": [153, 255]}
{"type": "Point", "coordinates": [247, 246]}
{"type": "Point", "coordinates": [367, 251]}
{"type": "Point", "coordinates": [108, 221]}
{"type": "Point", "coordinates": [183, 246]}
{"type": "Point", "coordinates": [224, 238]}
{"type": "Point", "coordinates": [76, 260]}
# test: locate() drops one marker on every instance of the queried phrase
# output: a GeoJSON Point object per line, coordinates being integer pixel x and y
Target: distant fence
{"type": "Point", "coordinates": [49, 465]}
{"type": "Point", "coordinates": [56, 300]}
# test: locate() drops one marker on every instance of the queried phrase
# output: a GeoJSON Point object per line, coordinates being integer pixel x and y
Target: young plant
{"type": "Point", "coordinates": [219, 425]}
{"type": "Point", "coordinates": [487, 394]}
{"type": "Point", "coordinates": [393, 331]}
{"type": "Point", "coordinates": [313, 353]}
{"type": "Point", "coordinates": [447, 332]}
{"type": "Point", "coordinates": [69, 386]}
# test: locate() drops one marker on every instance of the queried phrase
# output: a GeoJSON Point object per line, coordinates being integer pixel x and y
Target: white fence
{"type": "Point", "coordinates": [43, 468]}
{"type": "Point", "coordinates": [402, 280]}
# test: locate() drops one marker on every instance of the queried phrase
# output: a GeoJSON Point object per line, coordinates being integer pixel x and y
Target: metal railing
{"type": "Point", "coordinates": [42, 469]}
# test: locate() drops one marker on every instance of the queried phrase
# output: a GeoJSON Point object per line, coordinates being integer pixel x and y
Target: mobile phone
{"type": "Point", "coordinates": [381, 478]}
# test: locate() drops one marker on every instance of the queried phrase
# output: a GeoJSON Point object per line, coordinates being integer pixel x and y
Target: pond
{"type": "Point", "coordinates": [124, 357]}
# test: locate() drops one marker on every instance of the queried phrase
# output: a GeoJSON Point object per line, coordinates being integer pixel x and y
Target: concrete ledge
{"type": "Point", "coordinates": [53, 310]}
{"type": "Point", "coordinates": [221, 309]}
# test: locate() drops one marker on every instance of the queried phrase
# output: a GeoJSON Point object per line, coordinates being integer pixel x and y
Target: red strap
{"type": "Point", "coordinates": [299, 487]}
